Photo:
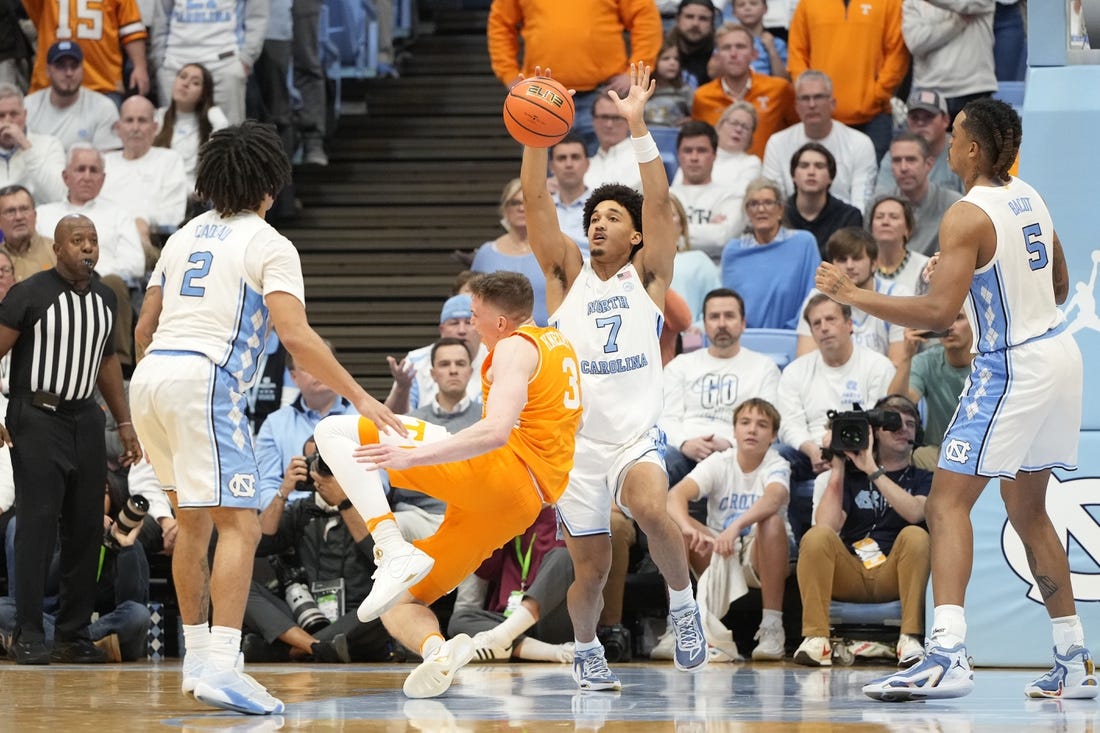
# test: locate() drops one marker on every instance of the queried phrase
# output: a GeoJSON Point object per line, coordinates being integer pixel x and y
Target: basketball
{"type": "Point", "coordinates": [538, 112]}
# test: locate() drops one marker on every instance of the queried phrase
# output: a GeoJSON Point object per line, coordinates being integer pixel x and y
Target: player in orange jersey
{"type": "Point", "coordinates": [495, 475]}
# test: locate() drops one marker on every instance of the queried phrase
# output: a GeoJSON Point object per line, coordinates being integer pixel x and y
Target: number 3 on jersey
{"type": "Point", "coordinates": [572, 396]}
{"type": "Point", "coordinates": [200, 268]}
{"type": "Point", "coordinates": [1036, 249]}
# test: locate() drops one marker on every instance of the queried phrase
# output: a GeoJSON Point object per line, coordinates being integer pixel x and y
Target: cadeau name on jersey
{"type": "Point", "coordinates": [196, 12]}
{"type": "Point", "coordinates": [611, 366]}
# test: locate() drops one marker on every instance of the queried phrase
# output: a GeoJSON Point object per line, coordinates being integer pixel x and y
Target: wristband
{"type": "Point", "coordinates": [344, 505]}
{"type": "Point", "coordinates": [280, 496]}
{"type": "Point", "coordinates": [645, 149]}
{"type": "Point", "coordinates": [876, 474]}
{"type": "Point", "coordinates": [124, 424]}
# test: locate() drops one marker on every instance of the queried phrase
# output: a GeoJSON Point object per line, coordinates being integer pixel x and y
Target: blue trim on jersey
{"type": "Point", "coordinates": [250, 335]}
{"type": "Point", "coordinates": [660, 324]}
{"type": "Point", "coordinates": [967, 438]}
{"type": "Point", "coordinates": [238, 475]}
{"type": "Point", "coordinates": [991, 312]}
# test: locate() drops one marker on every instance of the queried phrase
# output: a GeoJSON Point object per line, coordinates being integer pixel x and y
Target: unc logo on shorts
{"type": "Point", "coordinates": [957, 451]}
{"type": "Point", "coordinates": [242, 485]}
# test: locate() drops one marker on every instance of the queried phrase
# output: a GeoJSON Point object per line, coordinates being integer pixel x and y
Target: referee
{"type": "Point", "coordinates": [58, 326]}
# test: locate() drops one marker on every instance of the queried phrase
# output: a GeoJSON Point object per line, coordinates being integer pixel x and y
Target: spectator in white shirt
{"type": "Point", "coordinates": [31, 159]}
{"type": "Point", "coordinates": [190, 117]}
{"type": "Point", "coordinates": [856, 164]}
{"type": "Point", "coordinates": [714, 211]}
{"type": "Point", "coordinates": [68, 110]}
{"type": "Point", "coordinates": [614, 161]}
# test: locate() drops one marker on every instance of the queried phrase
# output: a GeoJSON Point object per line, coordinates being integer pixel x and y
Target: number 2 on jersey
{"type": "Point", "coordinates": [200, 268]}
{"type": "Point", "coordinates": [1037, 250]}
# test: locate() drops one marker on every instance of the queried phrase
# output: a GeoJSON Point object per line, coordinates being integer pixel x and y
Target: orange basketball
{"type": "Point", "coordinates": [538, 112]}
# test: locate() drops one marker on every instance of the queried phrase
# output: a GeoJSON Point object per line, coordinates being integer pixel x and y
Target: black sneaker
{"type": "Point", "coordinates": [257, 651]}
{"type": "Point", "coordinates": [81, 651]}
{"type": "Point", "coordinates": [29, 652]}
{"type": "Point", "coordinates": [334, 651]}
{"type": "Point", "coordinates": [616, 642]}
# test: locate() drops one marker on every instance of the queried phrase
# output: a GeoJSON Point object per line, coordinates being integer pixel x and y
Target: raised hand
{"type": "Point", "coordinates": [642, 87]}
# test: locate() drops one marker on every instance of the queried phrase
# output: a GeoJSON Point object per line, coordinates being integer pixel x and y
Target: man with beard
{"type": "Point", "coordinates": [693, 35]}
{"type": "Point", "coordinates": [911, 161]}
{"type": "Point", "coordinates": [703, 388]}
{"type": "Point", "coordinates": [67, 109]}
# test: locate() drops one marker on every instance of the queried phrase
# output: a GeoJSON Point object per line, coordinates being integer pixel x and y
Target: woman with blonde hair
{"type": "Point", "coordinates": [511, 251]}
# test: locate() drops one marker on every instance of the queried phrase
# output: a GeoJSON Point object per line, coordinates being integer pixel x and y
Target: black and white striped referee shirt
{"type": "Point", "coordinates": [63, 335]}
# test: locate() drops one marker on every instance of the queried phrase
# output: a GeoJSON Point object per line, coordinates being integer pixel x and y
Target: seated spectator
{"type": "Point", "coordinates": [30, 252]}
{"type": "Point", "coordinates": [773, 97]}
{"type": "Point", "coordinates": [703, 388]}
{"type": "Point", "coordinates": [693, 34]}
{"type": "Point", "coordinates": [772, 267]}
{"type": "Point", "coordinates": [868, 543]}
{"type": "Point", "coordinates": [68, 110]}
{"type": "Point", "coordinates": [771, 51]}
{"type": "Point", "coordinates": [928, 118]}
{"type": "Point", "coordinates": [670, 105]}
{"type": "Point", "coordinates": [854, 250]}
{"type": "Point", "coordinates": [513, 605]}
{"type": "Point", "coordinates": [511, 251]}
{"type": "Point", "coordinates": [614, 160]}
{"type": "Point", "coordinates": [333, 550]}
{"type": "Point", "coordinates": [121, 631]}
{"type": "Point", "coordinates": [284, 432]}
{"type": "Point", "coordinates": [120, 251]}
{"type": "Point", "coordinates": [694, 272]}
{"type": "Point", "coordinates": [568, 165]}
{"type": "Point", "coordinates": [890, 221]}
{"type": "Point", "coordinates": [413, 386]}
{"type": "Point", "coordinates": [31, 159]}
{"type": "Point", "coordinates": [937, 375]}
{"type": "Point", "coordinates": [190, 117]}
{"type": "Point", "coordinates": [837, 375]}
{"type": "Point", "coordinates": [713, 209]}
{"type": "Point", "coordinates": [745, 540]}
{"type": "Point", "coordinates": [146, 181]}
{"type": "Point", "coordinates": [734, 167]}
{"type": "Point", "coordinates": [854, 153]}
{"type": "Point", "coordinates": [813, 208]}
{"type": "Point", "coordinates": [911, 161]}
{"type": "Point", "coordinates": [232, 36]}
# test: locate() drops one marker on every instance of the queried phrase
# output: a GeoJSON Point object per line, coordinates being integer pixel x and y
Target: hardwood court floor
{"type": "Point", "coordinates": [535, 698]}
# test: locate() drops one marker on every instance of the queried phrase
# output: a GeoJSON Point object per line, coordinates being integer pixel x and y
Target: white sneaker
{"type": "Point", "coordinates": [665, 647]}
{"type": "Point", "coordinates": [772, 644]}
{"type": "Point", "coordinates": [396, 571]}
{"type": "Point", "coordinates": [193, 664]}
{"type": "Point", "coordinates": [487, 648]}
{"type": "Point", "coordinates": [436, 673]}
{"type": "Point", "coordinates": [872, 650]}
{"type": "Point", "coordinates": [909, 650]}
{"type": "Point", "coordinates": [943, 673]}
{"type": "Point", "coordinates": [814, 651]}
{"type": "Point", "coordinates": [724, 652]}
{"type": "Point", "coordinates": [566, 652]}
{"type": "Point", "coordinates": [1073, 676]}
{"type": "Point", "coordinates": [236, 691]}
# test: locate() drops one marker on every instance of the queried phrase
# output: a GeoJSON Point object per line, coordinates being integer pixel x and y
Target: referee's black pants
{"type": "Point", "coordinates": [59, 464]}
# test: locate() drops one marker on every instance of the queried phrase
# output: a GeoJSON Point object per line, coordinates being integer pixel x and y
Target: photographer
{"type": "Point", "coordinates": [328, 541]}
{"type": "Point", "coordinates": [868, 543]}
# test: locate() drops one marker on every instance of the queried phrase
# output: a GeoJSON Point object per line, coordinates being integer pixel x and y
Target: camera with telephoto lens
{"type": "Point", "coordinates": [314, 462]}
{"type": "Point", "coordinates": [852, 428]}
{"type": "Point", "coordinates": [295, 584]}
{"type": "Point", "coordinates": [131, 515]}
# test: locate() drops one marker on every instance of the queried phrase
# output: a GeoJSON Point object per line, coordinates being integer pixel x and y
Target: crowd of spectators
{"type": "Point", "coordinates": [799, 134]}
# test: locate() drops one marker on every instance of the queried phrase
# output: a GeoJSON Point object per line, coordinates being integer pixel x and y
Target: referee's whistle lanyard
{"type": "Point", "coordinates": [524, 560]}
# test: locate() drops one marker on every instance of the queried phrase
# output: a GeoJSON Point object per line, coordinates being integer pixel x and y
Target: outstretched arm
{"type": "Point", "coordinates": [558, 255]}
{"type": "Point", "coordinates": [658, 231]}
{"type": "Point", "coordinates": [964, 232]}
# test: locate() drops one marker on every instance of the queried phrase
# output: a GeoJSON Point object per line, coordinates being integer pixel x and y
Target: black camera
{"type": "Point", "coordinates": [852, 429]}
{"type": "Point", "coordinates": [314, 462]}
{"type": "Point", "coordinates": [295, 584]}
{"type": "Point", "coordinates": [131, 515]}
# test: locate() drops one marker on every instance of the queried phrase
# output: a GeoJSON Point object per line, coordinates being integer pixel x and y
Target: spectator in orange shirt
{"type": "Point", "coordinates": [103, 30]}
{"type": "Point", "coordinates": [771, 96]}
{"type": "Point", "coordinates": [859, 45]}
{"type": "Point", "coordinates": [580, 41]}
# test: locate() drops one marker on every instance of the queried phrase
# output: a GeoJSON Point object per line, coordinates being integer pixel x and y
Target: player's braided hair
{"type": "Point", "coordinates": [995, 126]}
{"type": "Point", "coordinates": [239, 164]}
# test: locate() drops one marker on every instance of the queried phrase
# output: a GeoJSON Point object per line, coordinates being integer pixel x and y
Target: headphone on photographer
{"type": "Point", "coordinates": [901, 403]}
